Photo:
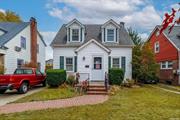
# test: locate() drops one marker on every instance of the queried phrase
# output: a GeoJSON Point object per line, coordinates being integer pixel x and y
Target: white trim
{"type": "Point", "coordinates": [110, 21]}
{"type": "Point", "coordinates": [72, 63]}
{"type": "Point", "coordinates": [94, 41]}
{"type": "Point", "coordinates": [73, 21]}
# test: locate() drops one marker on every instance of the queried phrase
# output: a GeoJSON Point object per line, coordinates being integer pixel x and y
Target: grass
{"type": "Point", "coordinates": [170, 87]}
{"type": "Point", "coordinates": [145, 103]}
{"type": "Point", "coordinates": [49, 94]}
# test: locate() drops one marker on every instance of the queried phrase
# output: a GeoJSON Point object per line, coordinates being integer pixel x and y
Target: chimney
{"type": "Point", "coordinates": [33, 30]}
{"type": "Point", "coordinates": [122, 24]}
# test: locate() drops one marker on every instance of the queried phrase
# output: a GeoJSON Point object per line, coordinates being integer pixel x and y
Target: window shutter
{"type": "Point", "coordinates": [109, 62]}
{"type": "Point", "coordinates": [116, 34]}
{"type": "Point", "coordinates": [81, 35]}
{"type": "Point", "coordinates": [61, 65]}
{"type": "Point", "coordinates": [69, 34]}
{"type": "Point", "coordinates": [75, 63]}
{"type": "Point", "coordinates": [123, 63]}
{"type": "Point", "coordinates": [104, 34]}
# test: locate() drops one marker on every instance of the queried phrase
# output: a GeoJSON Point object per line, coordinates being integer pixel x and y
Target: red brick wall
{"type": "Point", "coordinates": [167, 53]}
{"type": "Point", "coordinates": [33, 29]}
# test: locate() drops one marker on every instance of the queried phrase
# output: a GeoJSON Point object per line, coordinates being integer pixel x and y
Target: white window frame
{"type": "Point", "coordinates": [166, 65]}
{"type": "Point", "coordinates": [71, 29]}
{"type": "Point", "coordinates": [72, 63]}
{"type": "Point", "coordinates": [115, 58]}
{"type": "Point", "coordinates": [106, 38]}
{"type": "Point", "coordinates": [156, 45]}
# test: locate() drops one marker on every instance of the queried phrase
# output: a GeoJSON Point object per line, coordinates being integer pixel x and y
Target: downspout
{"type": "Point", "coordinates": [179, 66]}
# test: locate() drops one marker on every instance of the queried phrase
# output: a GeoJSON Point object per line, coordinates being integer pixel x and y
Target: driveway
{"type": "Point", "coordinates": [11, 96]}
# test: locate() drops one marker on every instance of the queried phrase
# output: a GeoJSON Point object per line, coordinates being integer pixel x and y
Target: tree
{"type": "Point", "coordinates": [134, 36]}
{"type": "Point", "coordinates": [9, 16]}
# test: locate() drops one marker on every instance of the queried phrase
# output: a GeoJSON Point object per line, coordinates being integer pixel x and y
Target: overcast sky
{"type": "Point", "coordinates": [141, 15]}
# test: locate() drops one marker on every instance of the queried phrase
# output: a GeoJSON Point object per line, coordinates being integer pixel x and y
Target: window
{"type": "Point", "coordinates": [38, 72]}
{"type": "Point", "coordinates": [19, 71]}
{"type": "Point", "coordinates": [23, 42]}
{"type": "Point", "coordinates": [115, 62]}
{"type": "Point", "coordinates": [166, 65]}
{"type": "Point", "coordinates": [75, 35]}
{"type": "Point", "coordinates": [69, 64]}
{"type": "Point", "coordinates": [97, 63]}
{"type": "Point", "coordinates": [110, 35]}
{"type": "Point", "coordinates": [156, 47]}
{"type": "Point", "coordinates": [28, 71]}
{"type": "Point", "coordinates": [20, 63]}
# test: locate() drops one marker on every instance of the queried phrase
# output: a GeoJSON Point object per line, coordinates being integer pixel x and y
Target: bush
{"type": "Point", "coordinates": [128, 83]}
{"type": "Point", "coordinates": [116, 76]}
{"type": "Point", "coordinates": [55, 77]}
{"type": "Point", "coordinates": [70, 80]}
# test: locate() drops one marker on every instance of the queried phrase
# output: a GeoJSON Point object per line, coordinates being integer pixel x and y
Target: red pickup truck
{"type": "Point", "coordinates": [22, 80]}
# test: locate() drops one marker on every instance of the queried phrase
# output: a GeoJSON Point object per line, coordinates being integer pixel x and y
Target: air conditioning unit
{"type": "Point", "coordinates": [18, 49]}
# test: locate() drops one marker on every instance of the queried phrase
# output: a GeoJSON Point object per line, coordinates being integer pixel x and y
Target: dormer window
{"type": "Point", "coordinates": [75, 35]}
{"type": "Point", "coordinates": [110, 35]}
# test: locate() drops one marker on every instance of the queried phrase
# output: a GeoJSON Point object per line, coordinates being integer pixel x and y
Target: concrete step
{"type": "Point", "coordinates": [97, 92]}
{"type": "Point", "coordinates": [96, 89]}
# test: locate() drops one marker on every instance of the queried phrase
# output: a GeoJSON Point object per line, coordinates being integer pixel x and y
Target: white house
{"type": "Point", "coordinates": [92, 49]}
{"type": "Point", "coordinates": [21, 43]}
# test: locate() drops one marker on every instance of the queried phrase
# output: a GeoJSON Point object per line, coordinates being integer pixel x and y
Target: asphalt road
{"type": "Point", "coordinates": [10, 96]}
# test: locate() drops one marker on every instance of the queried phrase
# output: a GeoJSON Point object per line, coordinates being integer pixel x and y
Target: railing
{"type": "Point", "coordinates": [106, 82]}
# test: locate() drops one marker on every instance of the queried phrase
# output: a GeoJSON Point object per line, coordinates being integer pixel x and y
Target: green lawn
{"type": "Point", "coordinates": [49, 94]}
{"type": "Point", "coordinates": [145, 103]}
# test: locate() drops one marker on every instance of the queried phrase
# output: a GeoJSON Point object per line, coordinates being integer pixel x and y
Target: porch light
{"type": "Point", "coordinates": [84, 58]}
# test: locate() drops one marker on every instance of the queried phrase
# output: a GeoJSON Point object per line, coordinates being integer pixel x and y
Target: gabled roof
{"type": "Point", "coordinates": [173, 36]}
{"type": "Point", "coordinates": [92, 31]}
{"type": "Point", "coordinates": [110, 21]}
{"type": "Point", "coordinates": [93, 41]}
{"type": "Point", "coordinates": [11, 29]}
{"type": "Point", "coordinates": [74, 21]}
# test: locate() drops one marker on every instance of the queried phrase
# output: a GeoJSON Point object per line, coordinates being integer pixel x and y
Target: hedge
{"type": "Point", "coordinates": [116, 76]}
{"type": "Point", "coordinates": [55, 77]}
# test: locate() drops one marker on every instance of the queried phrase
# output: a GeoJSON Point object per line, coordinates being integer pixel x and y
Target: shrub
{"type": "Point", "coordinates": [128, 83]}
{"type": "Point", "coordinates": [70, 80]}
{"type": "Point", "coordinates": [55, 77]}
{"type": "Point", "coordinates": [2, 70]}
{"type": "Point", "coordinates": [116, 76]}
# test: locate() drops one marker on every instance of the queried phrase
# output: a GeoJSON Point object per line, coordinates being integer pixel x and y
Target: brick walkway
{"type": "Point", "coordinates": [61, 103]}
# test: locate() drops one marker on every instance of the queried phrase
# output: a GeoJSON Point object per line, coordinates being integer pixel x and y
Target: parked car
{"type": "Point", "coordinates": [22, 80]}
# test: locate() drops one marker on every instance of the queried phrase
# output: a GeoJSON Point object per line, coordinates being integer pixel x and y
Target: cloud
{"type": "Point", "coordinates": [2, 10]}
{"type": "Point", "coordinates": [48, 37]}
{"type": "Point", "coordinates": [136, 13]}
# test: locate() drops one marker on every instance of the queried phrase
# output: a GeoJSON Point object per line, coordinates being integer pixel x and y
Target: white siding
{"type": "Point", "coordinates": [12, 56]}
{"type": "Point", "coordinates": [127, 52]}
{"type": "Point", "coordinates": [57, 52]}
{"type": "Point", "coordinates": [41, 55]}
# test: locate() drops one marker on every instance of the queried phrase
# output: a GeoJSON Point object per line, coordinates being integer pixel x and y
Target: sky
{"type": "Point", "coordinates": [141, 15]}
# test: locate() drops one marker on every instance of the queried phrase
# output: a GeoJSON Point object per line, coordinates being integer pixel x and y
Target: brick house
{"type": "Point", "coordinates": [167, 53]}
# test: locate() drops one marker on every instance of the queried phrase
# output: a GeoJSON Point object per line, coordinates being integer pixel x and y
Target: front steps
{"type": "Point", "coordinates": [97, 89]}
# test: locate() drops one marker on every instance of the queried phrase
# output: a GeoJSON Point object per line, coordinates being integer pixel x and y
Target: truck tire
{"type": "Point", "coordinates": [23, 88]}
{"type": "Point", "coordinates": [44, 83]}
{"type": "Point", "coordinates": [2, 91]}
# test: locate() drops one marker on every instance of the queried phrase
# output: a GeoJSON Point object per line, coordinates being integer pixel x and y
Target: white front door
{"type": "Point", "coordinates": [97, 69]}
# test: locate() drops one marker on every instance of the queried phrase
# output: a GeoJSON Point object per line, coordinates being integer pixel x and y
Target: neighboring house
{"type": "Point", "coordinates": [49, 62]}
{"type": "Point", "coordinates": [92, 49]}
{"type": "Point", "coordinates": [167, 52]}
{"type": "Point", "coordinates": [21, 43]}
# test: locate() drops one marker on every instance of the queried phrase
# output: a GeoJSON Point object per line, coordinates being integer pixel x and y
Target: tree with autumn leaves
{"type": "Point", "coordinates": [144, 65]}
{"type": "Point", "coordinates": [9, 16]}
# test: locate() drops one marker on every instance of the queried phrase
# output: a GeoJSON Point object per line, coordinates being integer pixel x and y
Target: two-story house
{"type": "Point", "coordinates": [21, 43]}
{"type": "Point", "coordinates": [166, 47]}
{"type": "Point", "coordinates": [92, 49]}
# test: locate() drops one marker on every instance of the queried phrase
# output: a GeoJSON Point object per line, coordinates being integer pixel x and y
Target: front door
{"type": "Point", "coordinates": [97, 70]}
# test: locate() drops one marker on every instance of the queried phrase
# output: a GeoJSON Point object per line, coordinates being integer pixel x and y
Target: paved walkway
{"type": "Point", "coordinates": [61, 103]}
{"type": "Point", "coordinates": [172, 91]}
{"type": "Point", "coordinates": [11, 96]}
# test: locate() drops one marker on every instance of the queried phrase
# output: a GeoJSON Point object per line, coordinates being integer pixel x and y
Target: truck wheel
{"type": "Point", "coordinates": [2, 91]}
{"type": "Point", "coordinates": [23, 88]}
{"type": "Point", "coordinates": [44, 83]}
